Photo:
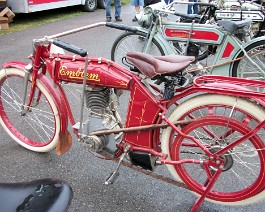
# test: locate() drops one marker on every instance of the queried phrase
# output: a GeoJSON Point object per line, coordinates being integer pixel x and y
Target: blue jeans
{"type": "Point", "coordinates": [117, 4]}
{"type": "Point", "coordinates": [168, 1]}
{"type": "Point", "coordinates": [194, 7]}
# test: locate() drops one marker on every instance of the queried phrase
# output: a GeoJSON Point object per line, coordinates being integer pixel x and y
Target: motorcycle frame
{"type": "Point", "coordinates": [228, 46]}
{"type": "Point", "coordinates": [127, 81]}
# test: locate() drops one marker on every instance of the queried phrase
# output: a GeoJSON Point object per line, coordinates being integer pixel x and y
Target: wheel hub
{"type": "Point", "coordinates": [227, 158]}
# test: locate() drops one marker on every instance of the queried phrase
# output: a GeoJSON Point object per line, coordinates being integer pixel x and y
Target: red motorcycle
{"type": "Point", "coordinates": [208, 131]}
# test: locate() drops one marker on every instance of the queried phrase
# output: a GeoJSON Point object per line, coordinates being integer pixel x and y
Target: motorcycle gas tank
{"type": "Point", "coordinates": [201, 33]}
{"type": "Point", "coordinates": [100, 72]}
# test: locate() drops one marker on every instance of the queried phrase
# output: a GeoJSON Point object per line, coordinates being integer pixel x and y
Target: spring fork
{"type": "Point", "coordinates": [151, 33]}
{"type": "Point", "coordinates": [28, 70]}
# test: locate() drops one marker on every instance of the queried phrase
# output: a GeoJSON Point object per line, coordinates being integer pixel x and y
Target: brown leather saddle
{"type": "Point", "coordinates": [152, 66]}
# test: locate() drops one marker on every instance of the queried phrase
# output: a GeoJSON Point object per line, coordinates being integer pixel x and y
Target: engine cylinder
{"type": "Point", "coordinates": [98, 99]}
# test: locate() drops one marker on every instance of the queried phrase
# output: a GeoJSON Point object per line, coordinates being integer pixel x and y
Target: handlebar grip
{"type": "Point", "coordinates": [70, 48]}
{"type": "Point", "coordinates": [121, 27]}
{"type": "Point", "coordinates": [189, 16]}
{"type": "Point", "coordinates": [205, 4]}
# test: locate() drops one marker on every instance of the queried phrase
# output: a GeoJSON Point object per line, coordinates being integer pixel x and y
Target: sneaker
{"type": "Point", "coordinates": [108, 20]}
{"type": "Point", "coordinates": [118, 18]}
{"type": "Point", "coordinates": [134, 19]}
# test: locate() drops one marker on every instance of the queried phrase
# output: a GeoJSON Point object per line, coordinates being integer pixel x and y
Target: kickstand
{"type": "Point", "coordinates": [113, 176]}
{"type": "Point", "coordinates": [199, 201]}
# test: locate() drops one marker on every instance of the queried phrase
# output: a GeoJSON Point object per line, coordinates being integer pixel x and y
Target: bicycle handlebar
{"type": "Point", "coordinates": [194, 3]}
{"type": "Point", "coordinates": [189, 16]}
{"type": "Point", "coordinates": [167, 8]}
{"type": "Point", "coordinates": [121, 27]}
{"type": "Point", "coordinates": [70, 48]}
{"type": "Point", "coordinates": [203, 4]}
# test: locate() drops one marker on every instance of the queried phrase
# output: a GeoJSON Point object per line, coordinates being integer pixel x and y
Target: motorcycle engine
{"type": "Point", "coordinates": [100, 103]}
{"type": "Point", "coordinates": [193, 50]}
{"type": "Point", "coordinates": [97, 100]}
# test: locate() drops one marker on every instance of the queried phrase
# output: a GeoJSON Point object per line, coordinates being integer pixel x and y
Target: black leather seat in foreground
{"type": "Point", "coordinates": [43, 195]}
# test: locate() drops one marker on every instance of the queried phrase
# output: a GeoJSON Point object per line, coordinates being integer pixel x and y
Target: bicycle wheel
{"type": "Point", "coordinates": [244, 68]}
{"type": "Point", "coordinates": [133, 42]}
{"type": "Point", "coordinates": [220, 120]}
{"type": "Point", "coordinates": [37, 129]}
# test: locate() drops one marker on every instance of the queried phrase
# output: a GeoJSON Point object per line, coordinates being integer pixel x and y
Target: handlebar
{"type": "Point", "coordinates": [188, 16]}
{"type": "Point", "coordinates": [159, 7]}
{"type": "Point", "coordinates": [203, 4]}
{"type": "Point", "coordinates": [194, 3]}
{"type": "Point", "coordinates": [121, 27]}
{"type": "Point", "coordinates": [70, 48]}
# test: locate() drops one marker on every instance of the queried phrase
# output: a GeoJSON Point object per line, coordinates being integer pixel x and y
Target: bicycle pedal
{"type": "Point", "coordinates": [111, 179]}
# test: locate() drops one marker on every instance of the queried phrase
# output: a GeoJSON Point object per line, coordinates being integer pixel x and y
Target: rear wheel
{"type": "Point", "coordinates": [38, 128]}
{"type": "Point", "coordinates": [245, 69]}
{"type": "Point", "coordinates": [220, 120]}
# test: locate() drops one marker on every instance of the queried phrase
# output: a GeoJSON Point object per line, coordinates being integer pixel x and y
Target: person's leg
{"type": "Point", "coordinates": [137, 9]}
{"type": "Point", "coordinates": [135, 3]}
{"type": "Point", "coordinates": [117, 9]}
{"type": "Point", "coordinates": [108, 9]}
{"type": "Point", "coordinates": [195, 8]}
{"type": "Point", "coordinates": [190, 7]}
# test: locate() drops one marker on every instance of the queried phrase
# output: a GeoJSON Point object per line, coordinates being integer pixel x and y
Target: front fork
{"type": "Point", "coordinates": [33, 71]}
{"type": "Point", "coordinates": [23, 107]}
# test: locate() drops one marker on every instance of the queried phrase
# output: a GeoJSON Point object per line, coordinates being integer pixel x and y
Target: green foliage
{"type": "Point", "coordinates": [23, 21]}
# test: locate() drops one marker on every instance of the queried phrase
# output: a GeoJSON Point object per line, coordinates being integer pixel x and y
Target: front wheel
{"type": "Point", "coordinates": [219, 121]}
{"type": "Point", "coordinates": [90, 5]}
{"type": "Point", "coordinates": [245, 69]}
{"type": "Point", "coordinates": [133, 42]}
{"type": "Point", "coordinates": [38, 128]}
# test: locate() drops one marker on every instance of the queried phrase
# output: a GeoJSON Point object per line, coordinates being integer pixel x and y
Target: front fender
{"type": "Point", "coordinates": [52, 90]}
{"type": "Point", "coordinates": [15, 64]}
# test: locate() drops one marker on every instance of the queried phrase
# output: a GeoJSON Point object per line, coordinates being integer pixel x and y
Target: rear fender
{"type": "Point", "coordinates": [231, 86]}
{"type": "Point", "coordinates": [225, 86]}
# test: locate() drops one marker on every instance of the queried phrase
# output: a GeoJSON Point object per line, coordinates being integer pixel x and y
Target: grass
{"type": "Point", "coordinates": [25, 21]}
